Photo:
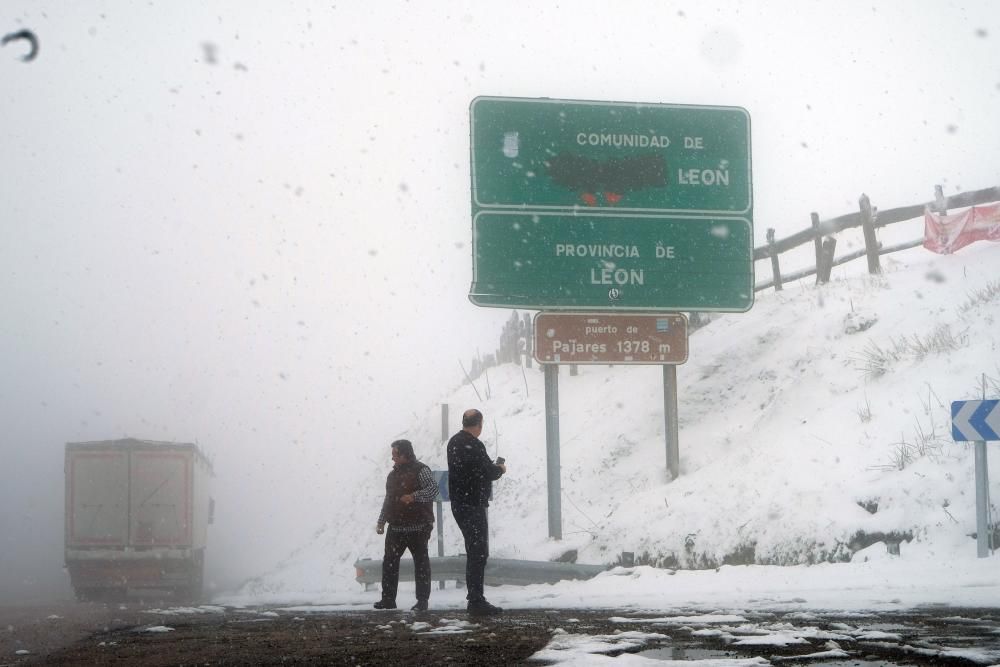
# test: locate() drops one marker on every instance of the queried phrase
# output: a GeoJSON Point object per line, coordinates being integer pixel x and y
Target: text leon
{"type": "Point", "coordinates": [609, 274]}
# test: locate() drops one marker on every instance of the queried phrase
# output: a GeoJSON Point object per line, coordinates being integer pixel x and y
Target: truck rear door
{"type": "Point", "coordinates": [97, 498]}
{"type": "Point", "coordinates": [161, 498]}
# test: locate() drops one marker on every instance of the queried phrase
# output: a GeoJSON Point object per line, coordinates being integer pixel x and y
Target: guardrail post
{"type": "Point", "coordinates": [775, 269]}
{"type": "Point", "coordinates": [868, 226]}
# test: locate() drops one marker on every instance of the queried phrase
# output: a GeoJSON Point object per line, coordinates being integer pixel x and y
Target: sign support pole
{"type": "Point", "coordinates": [445, 426]}
{"type": "Point", "coordinates": [670, 421]}
{"type": "Point", "coordinates": [552, 449]}
{"type": "Point", "coordinates": [982, 501]}
{"type": "Point", "coordinates": [977, 422]}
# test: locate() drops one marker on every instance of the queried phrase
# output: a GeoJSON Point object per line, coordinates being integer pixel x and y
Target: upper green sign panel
{"type": "Point", "coordinates": [541, 154]}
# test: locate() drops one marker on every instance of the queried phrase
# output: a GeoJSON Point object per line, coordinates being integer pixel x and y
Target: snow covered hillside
{"type": "Point", "coordinates": [811, 427]}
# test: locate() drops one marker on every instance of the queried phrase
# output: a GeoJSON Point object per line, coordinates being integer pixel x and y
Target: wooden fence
{"type": "Point", "coordinates": [514, 347]}
{"type": "Point", "coordinates": [869, 219]}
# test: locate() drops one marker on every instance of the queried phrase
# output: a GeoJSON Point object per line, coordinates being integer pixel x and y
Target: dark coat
{"type": "Point", "coordinates": [404, 479]}
{"type": "Point", "coordinates": [470, 470]}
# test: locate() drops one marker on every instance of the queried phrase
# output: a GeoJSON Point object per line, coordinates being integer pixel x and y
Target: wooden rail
{"type": "Point", "coordinates": [869, 219]}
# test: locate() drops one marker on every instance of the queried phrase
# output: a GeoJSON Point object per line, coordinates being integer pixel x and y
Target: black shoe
{"type": "Point", "coordinates": [420, 606]}
{"type": "Point", "coordinates": [385, 604]}
{"type": "Point", "coordinates": [483, 608]}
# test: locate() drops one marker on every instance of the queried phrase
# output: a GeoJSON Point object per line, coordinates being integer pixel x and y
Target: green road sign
{"type": "Point", "coordinates": [611, 206]}
{"type": "Point", "coordinates": [592, 261]}
{"type": "Point", "coordinates": [542, 154]}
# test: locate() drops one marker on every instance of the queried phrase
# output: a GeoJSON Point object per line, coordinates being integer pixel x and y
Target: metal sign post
{"type": "Point", "coordinates": [552, 449]}
{"type": "Point", "coordinates": [983, 541]}
{"type": "Point", "coordinates": [670, 419]}
{"type": "Point", "coordinates": [978, 421]}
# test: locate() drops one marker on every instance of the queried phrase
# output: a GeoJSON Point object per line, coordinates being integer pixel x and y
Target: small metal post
{"type": "Point", "coordinates": [552, 449]}
{"type": "Point", "coordinates": [440, 532]}
{"type": "Point", "coordinates": [444, 422]}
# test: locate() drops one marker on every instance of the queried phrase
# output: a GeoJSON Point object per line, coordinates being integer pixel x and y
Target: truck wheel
{"type": "Point", "coordinates": [192, 593]}
{"type": "Point", "coordinates": [189, 594]}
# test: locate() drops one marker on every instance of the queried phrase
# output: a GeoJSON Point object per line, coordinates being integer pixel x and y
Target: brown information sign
{"type": "Point", "coordinates": [632, 338]}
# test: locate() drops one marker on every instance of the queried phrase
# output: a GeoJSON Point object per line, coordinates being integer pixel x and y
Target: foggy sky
{"type": "Point", "coordinates": [248, 226]}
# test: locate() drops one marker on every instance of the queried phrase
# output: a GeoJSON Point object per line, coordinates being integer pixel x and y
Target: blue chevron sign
{"type": "Point", "coordinates": [975, 420]}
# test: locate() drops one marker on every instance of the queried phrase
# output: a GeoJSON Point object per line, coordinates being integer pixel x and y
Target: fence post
{"type": "Point", "coordinates": [818, 242]}
{"type": "Point", "coordinates": [775, 269]}
{"type": "Point", "coordinates": [939, 200]}
{"type": "Point", "coordinates": [825, 264]}
{"type": "Point", "coordinates": [871, 243]}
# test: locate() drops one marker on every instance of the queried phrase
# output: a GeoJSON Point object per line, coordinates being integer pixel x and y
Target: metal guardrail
{"type": "Point", "coordinates": [499, 571]}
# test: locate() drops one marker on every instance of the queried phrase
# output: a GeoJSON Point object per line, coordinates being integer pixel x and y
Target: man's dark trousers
{"type": "Point", "coordinates": [472, 521]}
{"type": "Point", "coordinates": [396, 542]}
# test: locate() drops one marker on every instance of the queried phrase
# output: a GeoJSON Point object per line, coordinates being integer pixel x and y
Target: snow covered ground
{"type": "Point", "coordinates": [813, 429]}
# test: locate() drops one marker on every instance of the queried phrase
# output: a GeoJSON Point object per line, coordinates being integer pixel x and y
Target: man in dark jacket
{"type": "Point", "coordinates": [470, 481]}
{"type": "Point", "coordinates": [410, 490]}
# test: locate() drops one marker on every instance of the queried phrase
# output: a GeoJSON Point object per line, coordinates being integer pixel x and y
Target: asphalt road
{"type": "Point", "coordinates": [137, 634]}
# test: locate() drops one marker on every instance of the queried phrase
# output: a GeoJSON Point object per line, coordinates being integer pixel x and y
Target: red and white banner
{"type": "Point", "coordinates": [947, 233]}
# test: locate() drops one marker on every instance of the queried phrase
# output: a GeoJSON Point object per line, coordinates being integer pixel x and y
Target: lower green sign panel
{"type": "Point", "coordinates": [606, 262]}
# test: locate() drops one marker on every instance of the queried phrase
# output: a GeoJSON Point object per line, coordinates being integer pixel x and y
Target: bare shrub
{"type": "Point", "coordinates": [875, 361]}
{"type": "Point", "coordinates": [988, 293]}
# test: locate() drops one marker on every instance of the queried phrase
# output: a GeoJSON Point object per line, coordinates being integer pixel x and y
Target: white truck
{"type": "Point", "coordinates": [137, 515]}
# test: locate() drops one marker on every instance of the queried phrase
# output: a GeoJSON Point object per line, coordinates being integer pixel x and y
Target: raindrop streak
{"type": "Point", "coordinates": [26, 35]}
